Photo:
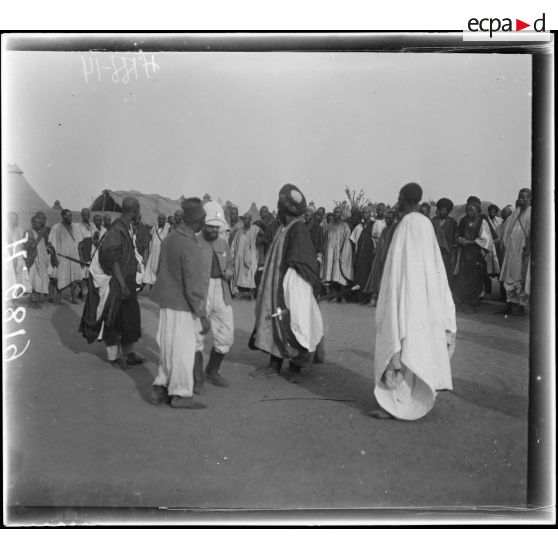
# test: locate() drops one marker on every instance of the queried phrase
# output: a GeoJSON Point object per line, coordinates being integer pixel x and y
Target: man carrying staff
{"type": "Point", "coordinates": [65, 238]}
{"type": "Point", "coordinates": [179, 292]}
{"type": "Point", "coordinates": [288, 320]}
{"type": "Point", "coordinates": [216, 272]}
{"type": "Point", "coordinates": [415, 318]}
{"type": "Point", "coordinates": [161, 231]}
{"type": "Point", "coordinates": [112, 311]}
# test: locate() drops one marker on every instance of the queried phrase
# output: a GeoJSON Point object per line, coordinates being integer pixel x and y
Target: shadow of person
{"type": "Point", "coordinates": [323, 381]}
{"type": "Point", "coordinates": [66, 324]}
{"type": "Point", "coordinates": [515, 406]}
{"type": "Point", "coordinates": [140, 374]}
{"type": "Point", "coordinates": [493, 342]}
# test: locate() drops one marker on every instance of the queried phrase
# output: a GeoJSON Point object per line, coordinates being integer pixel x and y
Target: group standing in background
{"type": "Point", "coordinates": [416, 268]}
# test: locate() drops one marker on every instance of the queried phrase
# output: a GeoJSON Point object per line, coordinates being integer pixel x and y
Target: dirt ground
{"type": "Point", "coordinates": [81, 433]}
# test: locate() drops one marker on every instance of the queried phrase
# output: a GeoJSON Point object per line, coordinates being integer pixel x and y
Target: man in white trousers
{"type": "Point", "coordinates": [217, 271]}
{"type": "Point", "coordinates": [179, 291]}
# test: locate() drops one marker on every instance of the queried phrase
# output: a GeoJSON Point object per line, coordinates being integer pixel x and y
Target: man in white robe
{"type": "Point", "coordinates": [515, 235]}
{"type": "Point", "coordinates": [245, 257]}
{"type": "Point", "coordinates": [415, 318]}
{"type": "Point", "coordinates": [159, 234]}
{"type": "Point", "coordinates": [337, 270]}
{"type": "Point", "coordinates": [37, 261]}
{"type": "Point", "coordinates": [65, 238]}
{"type": "Point", "coordinates": [288, 320]}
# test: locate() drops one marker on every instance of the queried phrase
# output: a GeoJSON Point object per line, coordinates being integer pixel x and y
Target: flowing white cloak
{"type": "Point", "coordinates": [306, 318]}
{"type": "Point", "coordinates": [415, 322]}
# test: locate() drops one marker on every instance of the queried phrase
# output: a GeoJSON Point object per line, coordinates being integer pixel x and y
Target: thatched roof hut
{"type": "Point", "coordinates": [150, 204]}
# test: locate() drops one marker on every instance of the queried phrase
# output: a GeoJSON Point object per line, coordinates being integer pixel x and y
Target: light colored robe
{"type": "Point", "coordinates": [338, 254]}
{"type": "Point", "coordinates": [415, 322]}
{"type": "Point", "coordinates": [515, 239]}
{"type": "Point", "coordinates": [245, 257]}
{"type": "Point", "coordinates": [152, 264]}
{"type": "Point", "coordinates": [305, 319]}
{"type": "Point", "coordinates": [38, 272]}
{"type": "Point", "coordinates": [377, 228]}
{"type": "Point", "coordinates": [66, 243]}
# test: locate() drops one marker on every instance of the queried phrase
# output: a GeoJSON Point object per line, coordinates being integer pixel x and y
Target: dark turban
{"type": "Point", "coordinates": [193, 210]}
{"type": "Point", "coordinates": [445, 202]}
{"type": "Point", "coordinates": [291, 200]}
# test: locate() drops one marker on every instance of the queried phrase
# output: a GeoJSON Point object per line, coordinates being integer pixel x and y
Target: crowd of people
{"type": "Point", "coordinates": [416, 269]}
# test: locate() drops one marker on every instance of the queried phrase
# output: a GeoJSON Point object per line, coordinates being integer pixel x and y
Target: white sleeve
{"type": "Point", "coordinates": [306, 318]}
{"type": "Point", "coordinates": [485, 237]}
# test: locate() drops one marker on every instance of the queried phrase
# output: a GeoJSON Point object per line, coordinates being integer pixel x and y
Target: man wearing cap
{"type": "Point", "coordinates": [180, 293]}
{"type": "Point", "coordinates": [445, 229]}
{"type": "Point", "coordinates": [216, 271]}
{"type": "Point", "coordinates": [288, 320]}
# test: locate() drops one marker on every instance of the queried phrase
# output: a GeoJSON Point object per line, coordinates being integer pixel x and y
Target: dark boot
{"type": "Point", "coordinates": [294, 374]}
{"type": "Point", "coordinates": [507, 309]}
{"type": "Point", "coordinates": [319, 355]}
{"type": "Point", "coordinates": [275, 363]}
{"type": "Point", "coordinates": [212, 371]}
{"type": "Point", "coordinates": [199, 388]}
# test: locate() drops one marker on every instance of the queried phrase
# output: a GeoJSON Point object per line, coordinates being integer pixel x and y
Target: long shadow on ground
{"type": "Point", "coordinates": [66, 323]}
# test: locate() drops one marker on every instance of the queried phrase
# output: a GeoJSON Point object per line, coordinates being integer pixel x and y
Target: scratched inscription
{"type": "Point", "coordinates": [120, 68]}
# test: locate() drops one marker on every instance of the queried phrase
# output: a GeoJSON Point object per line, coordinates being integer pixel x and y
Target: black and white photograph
{"type": "Point", "coordinates": [262, 275]}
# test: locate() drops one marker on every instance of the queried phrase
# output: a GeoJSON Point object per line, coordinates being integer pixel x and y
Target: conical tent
{"type": "Point", "coordinates": [22, 198]}
{"type": "Point", "coordinates": [254, 212]}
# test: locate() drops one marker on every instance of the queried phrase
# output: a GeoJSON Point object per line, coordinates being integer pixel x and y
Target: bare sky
{"type": "Point", "coordinates": [240, 125]}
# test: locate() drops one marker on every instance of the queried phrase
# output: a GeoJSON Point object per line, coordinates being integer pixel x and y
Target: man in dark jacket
{"type": "Point", "coordinates": [117, 259]}
{"type": "Point", "coordinates": [180, 293]}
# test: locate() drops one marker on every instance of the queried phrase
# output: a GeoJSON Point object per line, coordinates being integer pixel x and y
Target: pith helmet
{"type": "Point", "coordinates": [214, 214]}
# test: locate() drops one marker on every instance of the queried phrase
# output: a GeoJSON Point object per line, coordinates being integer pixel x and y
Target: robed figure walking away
{"type": "Point", "coordinates": [415, 318]}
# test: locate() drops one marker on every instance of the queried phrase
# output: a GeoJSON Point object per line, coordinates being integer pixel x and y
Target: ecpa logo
{"type": "Point", "coordinates": [492, 25]}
